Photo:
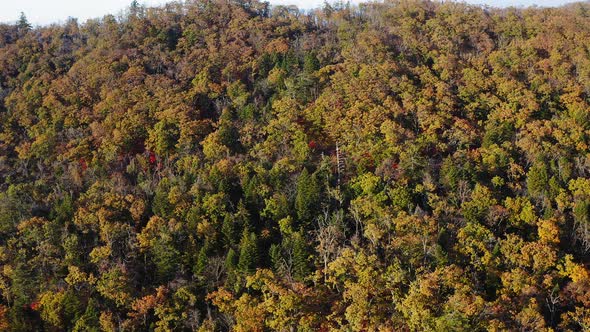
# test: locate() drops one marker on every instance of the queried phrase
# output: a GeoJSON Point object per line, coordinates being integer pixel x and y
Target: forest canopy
{"type": "Point", "coordinates": [227, 165]}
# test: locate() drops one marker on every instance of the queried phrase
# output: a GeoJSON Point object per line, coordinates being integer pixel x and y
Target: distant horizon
{"type": "Point", "coordinates": [40, 12]}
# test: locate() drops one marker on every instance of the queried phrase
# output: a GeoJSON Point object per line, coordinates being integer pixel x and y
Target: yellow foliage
{"type": "Point", "coordinates": [548, 231]}
{"type": "Point", "coordinates": [575, 271]}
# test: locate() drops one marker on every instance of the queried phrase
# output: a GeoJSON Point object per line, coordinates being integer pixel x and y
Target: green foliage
{"type": "Point", "coordinates": [23, 24]}
{"type": "Point", "coordinates": [165, 257]}
{"type": "Point", "coordinates": [310, 63]}
{"type": "Point", "coordinates": [401, 198]}
{"type": "Point", "coordinates": [60, 309]}
{"type": "Point", "coordinates": [161, 205]}
{"type": "Point", "coordinates": [164, 137]}
{"type": "Point", "coordinates": [476, 210]}
{"type": "Point", "coordinates": [537, 180]}
{"type": "Point", "coordinates": [230, 230]}
{"type": "Point", "coordinates": [300, 257]}
{"type": "Point", "coordinates": [89, 321]}
{"type": "Point", "coordinates": [308, 197]}
{"type": "Point", "coordinates": [248, 258]}
{"type": "Point", "coordinates": [201, 263]}
{"type": "Point", "coordinates": [497, 133]}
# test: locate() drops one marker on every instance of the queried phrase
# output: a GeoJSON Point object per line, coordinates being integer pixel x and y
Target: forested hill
{"type": "Point", "coordinates": [220, 165]}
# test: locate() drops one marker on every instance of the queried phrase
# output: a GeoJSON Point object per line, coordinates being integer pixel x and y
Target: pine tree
{"type": "Point", "coordinates": [290, 62]}
{"type": "Point", "coordinates": [228, 134]}
{"type": "Point", "coordinates": [310, 63]}
{"type": "Point", "coordinates": [89, 321]}
{"type": "Point", "coordinates": [229, 230]}
{"type": "Point", "coordinates": [248, 253]}
{"type": "Point", "coordinates": [537, 180]}
{"type": "Point", "coordinates": [201, 261]}
{"type": "Point", "coordinates": [23, 24]}
{"type": "Point", "coordinates": [300, 257]}
{"type": "Point", "coordinates": [308, 195]}
{"type": "Point", "coordinates": [275, 257]}
{"type": "Point", "coordinates": [161, 205]}
{"type": "Point", "coordinates": [165, 257]}
{"type": "Point", "coordinates": [231, 260]}
{"type": "Point", "coordinates": [135, 9]}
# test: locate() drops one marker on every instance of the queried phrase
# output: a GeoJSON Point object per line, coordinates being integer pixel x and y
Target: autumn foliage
{"type": "Point", "coordinates": [235, 166]}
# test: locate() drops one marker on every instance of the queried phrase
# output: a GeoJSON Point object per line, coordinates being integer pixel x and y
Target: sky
{"type": "Point", "coordinates": [41, 12]}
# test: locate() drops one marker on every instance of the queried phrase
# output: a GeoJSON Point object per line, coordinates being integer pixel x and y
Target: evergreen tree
{"type": "Point", "coordinates": [301, 265]}
{"type": "Point", "coordinates": [201, 261]}
{"type": "Point", "coordinates": [537, 180]}
{"type": "Point", "coordinates": [135, 9]}
{"type": "Point", "coordinates": [231, 263]}
{"type": "Point", "coordinates": [276, 255]}
{"type": "Point", "coordinates": [89, 321]}
{"type": "Point", "coordinates": [231, 260]}
{"type": "Point", "coordinates": [23, 24]}
{"type": "Point", "coordinates": [307, 199]}
{"type": "Point", "coordinates": [310, 63]}
{"type": "Point", "coordinates": [161, 205]}
{"type": "Point", "coordinates": [229, 230]}
{"type": "Point", "coordinates": [248, 252]}
{"type": "Point", "coordinates": [228, 134]}
{"type": "Point", "coordinates": [165, 257]}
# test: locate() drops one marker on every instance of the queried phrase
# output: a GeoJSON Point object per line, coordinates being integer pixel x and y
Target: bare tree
{"type": "Point", "coordinates": [330, 236]}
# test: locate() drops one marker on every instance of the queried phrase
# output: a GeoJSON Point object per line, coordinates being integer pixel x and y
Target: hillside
{"type": "Point", "coordinates": [220, 165]}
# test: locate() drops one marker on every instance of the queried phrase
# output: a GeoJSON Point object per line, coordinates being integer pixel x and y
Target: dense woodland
{"type": "Point", "coordinates": [220, 165]}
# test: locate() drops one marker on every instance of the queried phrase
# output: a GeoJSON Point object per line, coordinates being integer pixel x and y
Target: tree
{"type": "Point", "coordinates": [114, 285]}
{"type": "Point", "coordinates": [164, 137]}
{"type": "Point", "coordinates": [300, 257]}
{"type": "Point", "coordinates": [89, 321]}
{"type": "Point", "coordinates": [248, 259]}
{"type": "Point", "coordinates": [476, 210]}
{"type": "Point", "coordinates": [537, 180]}
{"type": "Point", "coordinates": [60, 309]}
{"type": "Point", "coordinates": [135, 9]}
{"type": "Point", "coordinates": [308, 196]}
{"type": "Point", "coordinates": [310, 63]}
{"type": "Point", "coordinates": [23, 24]}
{"type": "Point", "coordinates": [442, 300]}
{"type": "Point", "coordinates": [230, 230]}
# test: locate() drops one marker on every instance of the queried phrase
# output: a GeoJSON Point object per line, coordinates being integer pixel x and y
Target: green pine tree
{"type": "Point", "coordinates": [275, 256]}
{"type": "Point", "coordinates": [300, 257]}
{"type": "Point", "coordinates": [23, 24]}
{"type": "Point", "coordinates": [165, 257]}
{"type": "Point", "coordinates": [537, 180]}
{"type": "Point", "coordinates": [89, 321]}
{"type": "Point", "coordinates": [231, 260]}
{"type": "Point", "coordinates": [229, 230]}
{"type": "Point", "coordinates": [248, 253]}
{"type": "Point", "coordinates": [307, 199]}
{"type": "Point", "coordinates": [310, 63]}
{"type": "Point", "coordinates": [201, 261]}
